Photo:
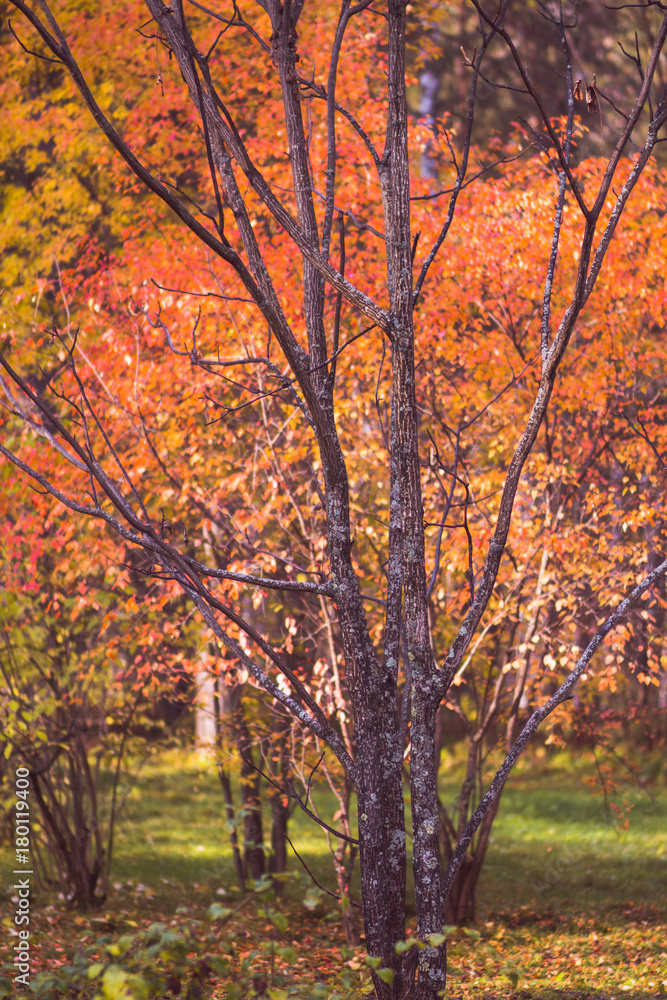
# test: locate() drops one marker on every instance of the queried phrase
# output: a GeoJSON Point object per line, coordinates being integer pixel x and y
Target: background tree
{"type": "Point", "coordinates": [395, 678]}
{"type": "Point", "coordinates": [602, 45]}
{"type": "Point", "coordinates": [82, 668]}
{"type": "Point", "coordinates": [539, 614]}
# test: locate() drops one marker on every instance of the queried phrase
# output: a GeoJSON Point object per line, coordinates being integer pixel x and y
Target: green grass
{"type": "Point", "coordinates": [172, 826]}
{"type": "Point", "coordinates": [554, 843]}
{"type": "Point", "coordinates": [569, 902]}
{"type": "Point", "coordinates": [556, 846]}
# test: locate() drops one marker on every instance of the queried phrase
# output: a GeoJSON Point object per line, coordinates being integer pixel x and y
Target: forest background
{"type": "Point", "coordinates": [95, 686]}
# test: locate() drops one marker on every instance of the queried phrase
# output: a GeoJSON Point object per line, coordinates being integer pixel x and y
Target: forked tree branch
{"type": "Point", "coordinates": [180, 567]}
{"type": "Point", "coordinates": [552, 357]}
{"type": "Point", "coordinates": [564, 693]}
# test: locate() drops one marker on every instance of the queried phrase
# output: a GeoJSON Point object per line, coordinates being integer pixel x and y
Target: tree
{"type": "Point", "coordinates": [79, 674]}
{"type": "Point", "coordinates": [564, 532]}
{"type": "Point", "coordinates": [607, 41]}
{"type": "Point", "coordinates": [267, 220]}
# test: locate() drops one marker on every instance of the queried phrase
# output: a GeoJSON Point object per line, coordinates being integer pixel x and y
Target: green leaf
{"type": "Point", "coordinates": [155, 931]}
{"type": "Point", "coordinates": [288, 954]}
{"type": "Point", "coordinates": [402, 946]}
{"type": "Point", "coordinates": [120, 985]}
{"type": "Point", "coordinates": [435, 940]}
{"type": "Point", "coordinates": [474, 935]}
{"type": "Point", "coordinates": [264, 886]}
{"type": "Point", "coordinates": [217, 912]}
{"type": "Point", "coordinates": [94, 970]}
{"type": "Point", "coordinates": [312, 898]}
{"type": "Point", "coordinates": [387, 976]}
{"type": "Point", "coordinates": [320, 991]}
{"type": "Point", "coordinates": [219, 965]}
{"type": "Point", "coordinates": [280, 921]}
{"type": "Point", "coordinates": [372, 961]}
{"type": "Point", "coordinates": [510, 970]}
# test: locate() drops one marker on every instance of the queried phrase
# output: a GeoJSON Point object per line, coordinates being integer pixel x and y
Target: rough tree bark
{"type": "Point", "coordinates": [404, 671]}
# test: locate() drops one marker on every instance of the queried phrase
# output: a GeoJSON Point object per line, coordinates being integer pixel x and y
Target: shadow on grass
{"type": "Point", "coordinates": [586, 994]}
{"type": "Point", "coordinates": [187, 871]}
{"type": "Point", "coordinates": [549, 993]}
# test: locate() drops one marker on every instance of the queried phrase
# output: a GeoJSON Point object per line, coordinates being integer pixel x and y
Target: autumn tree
{"type": "Point", "coordinates": [81, 669]}
{"type": "Point", "coordinates": [570, 550]}
{"type": "Point", "coordinates": [307, 224]}
{"type": "Point", "coordinates": [88, 676]}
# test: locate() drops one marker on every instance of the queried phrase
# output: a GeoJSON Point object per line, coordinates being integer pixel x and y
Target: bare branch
{"type": "Point", "coordinates": [564, 693]}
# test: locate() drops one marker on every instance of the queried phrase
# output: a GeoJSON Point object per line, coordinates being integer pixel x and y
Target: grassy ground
{"type": "Point", "coordinates": [570, 905]}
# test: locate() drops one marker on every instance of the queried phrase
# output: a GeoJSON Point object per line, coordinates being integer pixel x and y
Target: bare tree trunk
{"type": "Point", "coordinates": [252, 863]}
{"type": "Point", "coordinates": [251, 803]}
{"type": "Point", "coordinates": [239, 861]}
{"type": "Point", "coordinates": [277, 755]}
{"type": "Point", "coordinates": [206, 729]}
{"type": "Point", "coordinates": [68, 818]}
